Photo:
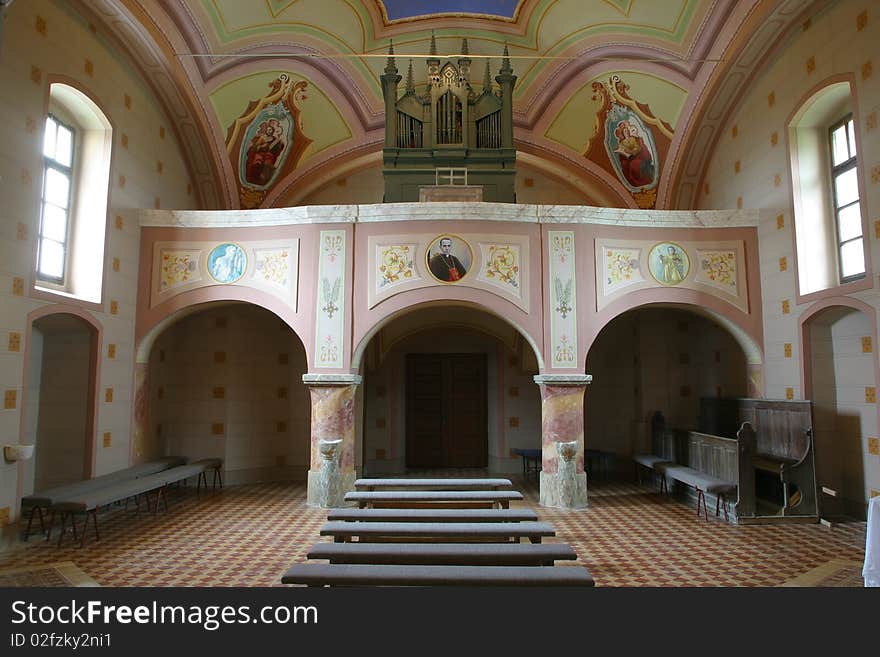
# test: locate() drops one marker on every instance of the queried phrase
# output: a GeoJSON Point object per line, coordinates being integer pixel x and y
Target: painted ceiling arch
{"type": "Point", "coordinates": [681, 63]}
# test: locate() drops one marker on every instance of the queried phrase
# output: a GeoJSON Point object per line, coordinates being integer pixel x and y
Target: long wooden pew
{"type": "Point", "coordinates": [432, 515]}
{"type": "Point", "coordinates": [462, 531]}
{"type": "Point", "coordinates": [444, 554]}
{"type": "Point", "coordinates": [407, 483]}
{"type": "Point", "coordinates": [499, 497]}
{"type": "Point", "coordinates": [43, 500]}
{"type": "Point", "coordinates": [90, 504]}
{"type": "Point", "coordinates": [400, 575]}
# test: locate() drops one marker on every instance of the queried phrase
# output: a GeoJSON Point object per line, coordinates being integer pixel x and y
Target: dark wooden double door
{"type": "Point", "coordinates": [446, 411]}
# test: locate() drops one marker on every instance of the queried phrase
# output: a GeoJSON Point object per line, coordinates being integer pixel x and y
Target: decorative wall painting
{"type": "Point", "coordinates": [227, 263]}
{"type": "Point", "coordinates": [628, 141]}
{"type": "Point", "coordinates": [266, 142]}
{"type": "Point", "coordinates": [669, 263]}
{"type": "Point", "coordinates": [621, 268]}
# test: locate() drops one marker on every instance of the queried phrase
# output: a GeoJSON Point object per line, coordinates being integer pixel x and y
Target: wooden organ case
{"type": "Point", "coordinates": [450, 131]}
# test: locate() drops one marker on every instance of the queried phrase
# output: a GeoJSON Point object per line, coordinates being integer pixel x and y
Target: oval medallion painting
{"type": "Point", "coordinates": [227, 262]}
{"type": "Point", "coordinates": [669, 263]}
{"type": "Point", "coordinates": [449, 258]}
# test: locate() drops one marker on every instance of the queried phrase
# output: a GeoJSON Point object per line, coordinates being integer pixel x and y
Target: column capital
{"type": "Point", "coordinates": [332, 379]}
{"type": "Point", "coordinates": [563, 379]}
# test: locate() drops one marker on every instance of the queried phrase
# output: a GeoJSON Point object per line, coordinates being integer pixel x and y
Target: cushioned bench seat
{"type": "Point", "coordinates": [36, 502]}
{"type": "Point", "coordinates": [500, 497]}
{"type": "Point", "coordinates": [475, 531]}
{"type": "Point", "coordinates": [432, 515]}
{"type": "Point", "coordinates": [461, 554]}
{"type": "Point", "coordinates": [397, 575]}
{"type": "Point", "coordinates": [702, 482]}
{"type": "Point", "coordinates": [433, 484]}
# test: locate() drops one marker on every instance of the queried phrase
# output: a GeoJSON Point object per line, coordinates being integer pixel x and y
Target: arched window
{"type": "Point", "coordinates": [829, 216]}
{"type": "Point", "coordinates": [77, 143]}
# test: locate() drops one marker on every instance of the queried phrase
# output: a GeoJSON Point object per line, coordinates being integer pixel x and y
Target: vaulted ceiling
{"type": "Point", "coordinates": [684, 62]}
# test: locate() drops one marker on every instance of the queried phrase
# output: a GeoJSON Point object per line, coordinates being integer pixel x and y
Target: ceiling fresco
{"type": "Point", "coordinates": [207, 60]}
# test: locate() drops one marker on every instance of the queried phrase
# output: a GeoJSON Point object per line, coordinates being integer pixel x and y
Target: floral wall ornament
{"type": "Point", "coordinates": [266, 142]}
{"type": "Point", "coordinates": [621, 268]}
{"type": "Point", "coordinates": [331, 296]}
{"type": "Point", "coordinates": [563, 299]}
{"type": "Point", "coordinates": [178, 267]}
{"type": "Point", "coordinates": [719, 269]}
{"type": "Point", "coordinates": [330, 300]}
{"type": "Point", "coordinates": [563, 296]}
{"type": "Point", "coordinates": [395, 264]}
{"type": "Point", "coordinates": [502, 264]}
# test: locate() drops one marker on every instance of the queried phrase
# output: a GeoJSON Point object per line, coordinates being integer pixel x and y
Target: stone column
{"type": "Point", "coordinates": [562, 421]}
{"type": "Point", "coordinates": [332, 398]}
{"type": "Point", "coordinates": [329, 492]}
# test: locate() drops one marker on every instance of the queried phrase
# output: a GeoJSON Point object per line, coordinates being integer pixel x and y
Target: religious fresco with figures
{"type": "Point", "coordinates": [628, 140]}
{"type": "Point", "coordinates": [716, 268]}
{"type": "Point", "coordinates": [495, 263]}
{"type": "Point", "coordinates": [269, 266]}
{"type": "Point", "coordinates": [266, 142]}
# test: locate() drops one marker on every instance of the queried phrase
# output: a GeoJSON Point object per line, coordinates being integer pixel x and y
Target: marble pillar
{"type": "Point", "coordinates": [140, 422]}
{"type": "Point", "coordinates": [562, 421]}
{"type": "Point", "coordinates": [332, 397]}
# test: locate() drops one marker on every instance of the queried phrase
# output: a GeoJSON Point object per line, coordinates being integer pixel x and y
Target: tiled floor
{"type": "Point", "coordinates": [629, 536]}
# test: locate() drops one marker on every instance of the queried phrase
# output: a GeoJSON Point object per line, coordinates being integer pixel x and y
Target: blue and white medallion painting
{"type": "Point", "coordinates": [227, 262]}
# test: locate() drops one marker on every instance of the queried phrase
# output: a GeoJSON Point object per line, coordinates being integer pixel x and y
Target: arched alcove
{"type": "Point", "coordinates": [840, 372]}
{"type": "Point", "coordinates": [59, 399]}
{"type": "Point", "coordinates": [447, 386]}
{"type": "Point", "coordinates": [225, 380]}
{"type": "Point", "coordinates": [657, 357]}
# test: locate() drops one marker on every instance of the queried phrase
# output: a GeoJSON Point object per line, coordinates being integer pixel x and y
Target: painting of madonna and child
{"type": "Point", "coordinates": [448, 258]}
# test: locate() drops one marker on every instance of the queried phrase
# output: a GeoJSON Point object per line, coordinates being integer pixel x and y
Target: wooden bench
{"type": "Point", "coordinates": [650, 462]}
{"type": "Point", "coordinates": [432, 575]}
{"type": "Point", "coordinates": [446, 554]}
{"type": "Point", "coordinates": [432, 515]}
{"type": "Point", "coordinates": [500, 497]}
{"type": "Point", "coordinates": [43, 500]}
{"type": "Point", "coordinates": [432, 484]}
{"type": "Point", "coordinates": [461, 531]}
{"type": "Point", "coordinates": [531, 460]}
{"type": "Point", "coordinates": [90, 503]}
{"type": "Point", "coordinates": [702, 483]}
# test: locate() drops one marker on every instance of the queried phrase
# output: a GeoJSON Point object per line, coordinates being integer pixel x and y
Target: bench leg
{"type": "Point", "coordinates": [160, 495]}
{"type": "Point", "coordinates": [94, 514]}
{"type": "Point", "coordinates": [701, 498]}
{"type": "Point", "coordinates": [39, 510]}
{"type": "Point", "coordinates": [718, 503]}
{"type": "Point", "coordinates": [217, 477]}
{"type": "Point", "coordinates": [51, 522]}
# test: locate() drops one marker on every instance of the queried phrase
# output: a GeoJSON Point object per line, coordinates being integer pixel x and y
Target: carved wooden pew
{"type": "Point", "coordinates": [432, 515]}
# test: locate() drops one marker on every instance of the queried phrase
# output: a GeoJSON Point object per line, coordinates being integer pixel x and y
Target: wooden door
{"type": "Point", "coordinates": [446, 411]}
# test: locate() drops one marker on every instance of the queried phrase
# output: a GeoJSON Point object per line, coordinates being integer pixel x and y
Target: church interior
{"type": "Point", "coordinates": [618, 251]}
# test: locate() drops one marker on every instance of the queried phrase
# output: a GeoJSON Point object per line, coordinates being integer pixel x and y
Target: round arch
{"type": "Point", "coordinates": [95, 329]}
{"type": "Point", "coordinates": [360, 348]}
{"type": "Point", "coordinates": [193, 301]}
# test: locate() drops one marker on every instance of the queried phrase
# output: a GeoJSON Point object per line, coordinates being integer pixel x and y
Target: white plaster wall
{"type": "Point", "coordinates": [264, 409]}
{"type": "Point", "coordinates": [837, 46]}
{"type": "Point", "coordinates": [28, 57]}
{"type": "Point", "coordinates": [63, 409]}
{"type": "Point", "coordinates": [656, 359]}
